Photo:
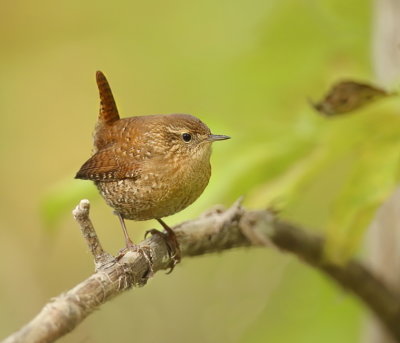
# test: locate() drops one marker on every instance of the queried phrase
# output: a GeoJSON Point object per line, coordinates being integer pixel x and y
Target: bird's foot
{"type": "Point", "coordinates": [130, 246]}
{"type": "Point", "coordinates": [170, 240]}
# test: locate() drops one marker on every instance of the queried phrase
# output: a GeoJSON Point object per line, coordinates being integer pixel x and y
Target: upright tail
{"type": "Point", "coordinates": [108, 109]}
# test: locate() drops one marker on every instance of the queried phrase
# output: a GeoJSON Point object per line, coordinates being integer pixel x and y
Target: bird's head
{"type": "Point", "coordinates": [184, 136]}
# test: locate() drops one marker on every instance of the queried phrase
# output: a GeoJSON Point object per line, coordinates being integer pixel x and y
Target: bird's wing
{"type": "Point", "coordinates": [105, 166]}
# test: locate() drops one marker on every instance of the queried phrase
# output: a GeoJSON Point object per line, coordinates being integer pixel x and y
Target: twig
{"type": "Point", "coordinates": [216, 230]}
{"type": "Point", "coordinates": [81, 215]}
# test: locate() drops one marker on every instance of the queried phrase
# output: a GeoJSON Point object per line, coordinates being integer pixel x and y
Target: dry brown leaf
{"type": "Point", "coordinates": [347, 96]}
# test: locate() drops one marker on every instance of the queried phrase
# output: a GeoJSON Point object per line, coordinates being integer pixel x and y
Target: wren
{"type": "Point", "coordinates": [148, 167]}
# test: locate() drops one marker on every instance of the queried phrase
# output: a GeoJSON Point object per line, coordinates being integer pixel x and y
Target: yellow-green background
{"type": "Point", "coordinates": [246, 68]}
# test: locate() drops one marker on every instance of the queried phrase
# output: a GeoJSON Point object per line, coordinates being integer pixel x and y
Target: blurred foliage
{"type": "Point", "coordinates": [61, 198]}
{"type": "Point", "coordinates": [365, 150]}
{"type": "Point", "coordinates": [247, 70]}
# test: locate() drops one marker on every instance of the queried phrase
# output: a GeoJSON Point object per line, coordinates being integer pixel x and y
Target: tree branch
{"type": "Point", "coordinates": [214, 231]}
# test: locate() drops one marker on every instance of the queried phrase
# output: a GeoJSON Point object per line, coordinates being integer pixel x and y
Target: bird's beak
{"type": "Point", "coordinates": [213, 138]}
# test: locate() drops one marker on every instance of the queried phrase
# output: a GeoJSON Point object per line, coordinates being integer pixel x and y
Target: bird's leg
{"type": "Point", "coordinates": [171, 241]}
{"type": "Point", "coordinates": [129, 244]}
{"type": "Point", "coordinates": [132, 246]}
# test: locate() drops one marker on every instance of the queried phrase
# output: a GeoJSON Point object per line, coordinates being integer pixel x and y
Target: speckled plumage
{"type": "Point", "coordinates": [154, 179]}
{"type": "Point", "coordinates": [142, 165]}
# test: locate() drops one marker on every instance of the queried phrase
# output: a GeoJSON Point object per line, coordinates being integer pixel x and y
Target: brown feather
{"type": "Point", "coordinates": [104, 166]}
{"type": "Point", "coordinates": [108, 109]}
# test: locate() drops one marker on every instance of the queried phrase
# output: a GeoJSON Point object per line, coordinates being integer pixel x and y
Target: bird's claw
{"type": "Point", "coordinates": [140, 250]}
{"type": "Point", "coordinates": [172, 245]}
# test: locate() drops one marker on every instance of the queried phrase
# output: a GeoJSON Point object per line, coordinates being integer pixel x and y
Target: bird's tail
{"type": "Point", "coordinates": [108, 109]}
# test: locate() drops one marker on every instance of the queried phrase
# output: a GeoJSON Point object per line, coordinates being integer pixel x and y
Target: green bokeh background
{"type": "Point", "coordinates": [246, 68]}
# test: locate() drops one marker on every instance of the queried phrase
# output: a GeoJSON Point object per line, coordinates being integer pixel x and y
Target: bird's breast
{"type": "Point", "coordinates": [162, 189]}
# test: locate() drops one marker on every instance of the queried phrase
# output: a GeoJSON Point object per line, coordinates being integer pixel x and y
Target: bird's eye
{"type": "Point", "coordinates": [187, 137]}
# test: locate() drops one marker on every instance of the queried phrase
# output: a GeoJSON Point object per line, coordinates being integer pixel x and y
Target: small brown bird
{"type": "Point", "coordinates": [148, 167]}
